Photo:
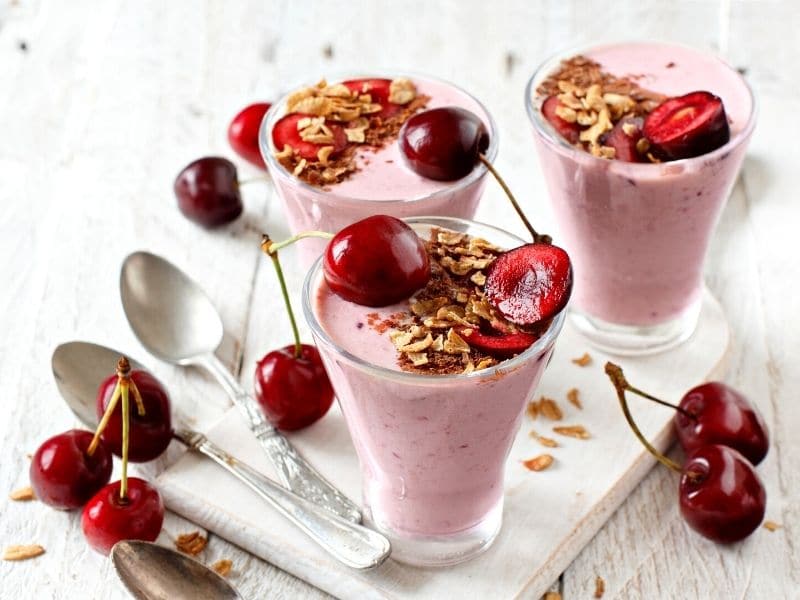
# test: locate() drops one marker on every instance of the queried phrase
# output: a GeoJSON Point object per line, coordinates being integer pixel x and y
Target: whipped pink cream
{"type": "Point", "coordinates": [383, 185]}
{"type": "Point", "coordinates": [638, 233]}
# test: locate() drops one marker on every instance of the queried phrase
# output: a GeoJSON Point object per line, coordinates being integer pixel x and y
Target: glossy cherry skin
{"type": "Point", "coordinates": [721, 496]}
{"type": "Point", "coordinates": [107, 519]}
{"type": "Point", "coordinates": [293, 392]}
{"type": "Point", "coordinates": [63, 475]}
{"type": "Point", "coordinates": [377, 261]}
{"type": "Point", "coordinates": [149, 434]}
{"type": "Point", "coordinates": [443, 143]}
{"type": "Point", "coordinates": [722, 416]}
{"type": "Point", "coordinates": [243, 133]}
{"type": "Point", "coordinates": [208, 192]}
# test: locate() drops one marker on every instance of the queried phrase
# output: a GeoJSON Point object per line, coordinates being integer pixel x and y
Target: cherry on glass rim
{"type": "Point", "coordinates": [208, 193]}
{"type": "Point", "coordinates": [63, 474]}
{"type": "Point", "coordinates": [243, 133]}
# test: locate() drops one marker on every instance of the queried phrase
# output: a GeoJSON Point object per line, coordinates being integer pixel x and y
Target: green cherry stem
{"type": "Point", "coordinates": [275, 246]}
{"type": "Point", "coordinates": [271, 250]}
{"type": "Point", "coordinates": [537, 237]}
{"type": "Point", "coordinates": [621, 384]}
{"type": "Point", "coordinates": [123, 371]}
{"type": "Point", "coordinates": [124, 385]}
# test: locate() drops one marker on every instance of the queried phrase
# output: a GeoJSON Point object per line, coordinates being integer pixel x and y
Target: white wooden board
{"type": "Point", "coordinates": [549, 516]}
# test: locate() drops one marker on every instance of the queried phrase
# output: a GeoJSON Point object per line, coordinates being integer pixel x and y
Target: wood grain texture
{"type": "Point", "coordinates": [109, 99]}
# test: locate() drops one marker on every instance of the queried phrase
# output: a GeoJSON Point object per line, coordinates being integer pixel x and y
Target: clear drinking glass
{"type": "Point", "coordinates": [432, 448]}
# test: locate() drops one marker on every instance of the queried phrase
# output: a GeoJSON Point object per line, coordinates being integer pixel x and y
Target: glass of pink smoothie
{"type": "Point", "coordinates": [637, 233]}
{"type": "Point", "coordinates": [432, 448]}
{"type": "Point", "coordinates": [383, 183]}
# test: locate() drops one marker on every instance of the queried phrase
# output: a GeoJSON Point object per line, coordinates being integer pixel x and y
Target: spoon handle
{"type": "Point", "coordinates": [293, 470]}
{"type": "Point", "coordinates": [352, 544]}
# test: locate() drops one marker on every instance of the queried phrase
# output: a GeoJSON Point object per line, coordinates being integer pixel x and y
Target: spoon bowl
{"type": "Point", "coordinates": [169, 313]}
{"type": "Point", "coordinates": [152, 572]}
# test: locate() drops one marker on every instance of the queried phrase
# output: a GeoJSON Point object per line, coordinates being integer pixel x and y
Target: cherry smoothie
{"type": "Point", "coordinates": [366, 174]}
{"type": "Point", "coordinates": [635, 218]}
{"type": "Point", "coordinates": [432, 419]}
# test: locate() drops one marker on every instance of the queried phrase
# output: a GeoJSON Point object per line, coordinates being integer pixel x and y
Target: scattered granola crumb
{"type": "Point", "coordinates": [584, 360]}
{"type": "Point", "coordinates": [22, 552]}
{"type": "Point", "coordinates": [575, 431]}
{"type": "Point", "coordinates": [23, 494]}
{"type": "Point", "coordinates": [538, 463]}
{"type": "Point", "coordinates": [772, 525]}
{"type": "Point", "coordinates": [532, 410]}
{"type": "Point", "coordinates": [550, 409]}
{"type": "Point", "coordinates": [552, 596]}
{"type": "Point", "coordinates": [223, 567]}
{"type": "Point", "coordinates": [544, 441]}
{"type": "Point", "coordinates": [599, 587]}
{"type": "Point", "coordinates": [573, 396]}
{"type": "Point", "coordinates": [191, 543]}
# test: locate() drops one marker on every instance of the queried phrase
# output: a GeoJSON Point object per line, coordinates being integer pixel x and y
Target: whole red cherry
{"type": "Point", "coordinates": [62, 473]}
{"type": "Point", "coordinates": [721, 496]}
{"type": "Point", "coordinates": [443, 143]}
{"type": "Point", "coordinates": [208, 192]}
{"type": "Point", "coordinates": [150, 433]}
{"type": "Point", "coordinates": [107, 518]}
{"type": "Point", "coordinates": [718, 414]}
{"type": "Point", "coordinates": [377, 261]}
{"type": "Point", "coordinates": [293, 391]}
{"type": "Point", "coordinates": [243, 133]}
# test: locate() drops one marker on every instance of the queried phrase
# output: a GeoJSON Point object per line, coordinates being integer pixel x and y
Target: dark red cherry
{"type": "Point", "coordinates": [530, 284]}
{"type": "Point", "coordinates": [503, 344]}
{"type": "Point", "coordinates": [443, 143]}
{"type": "Point", "coordinates": [379, 90]}
{"type": "Point", "coordinates": [107, 519]}
{"type": "Point", "coordinates": [63, 475]}
{"type": "Point", "coordinates": [687, 126]}
{"type": "Point", "coordinates": [569, 131]}
{"type": "Point", "coordinates": [208, 191]}
{"type": "Point", "coordinates": [376, 262]}
{"type": "Point", "coordinates": [149, 434]}
{"type": "Point", "coordinates": [721, 496]}
{"type": "Point", "coordinates": [293, 392]}
{"type": "Point", "coordinates": [285, 133]}
{"type": "Point", "coordinates": [721, 416]}
{"type": "Point", "coordinates": [624, 137]}
{"type": "Point", "coordinates": [243, 133]}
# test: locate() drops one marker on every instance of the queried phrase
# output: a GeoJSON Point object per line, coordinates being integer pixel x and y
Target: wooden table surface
{"type": "Point", "coordinates": [101, 103]}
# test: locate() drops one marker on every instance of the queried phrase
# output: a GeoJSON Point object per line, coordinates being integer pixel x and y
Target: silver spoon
{"type": "Point", "coordinates": [80, 367]}
{"type": "Point", "coordinates": [153, 572]}
{"type": "Point", "coordinates": [175, 320]}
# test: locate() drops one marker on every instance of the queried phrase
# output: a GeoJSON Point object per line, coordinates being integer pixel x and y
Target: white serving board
{"type": "Point", "coordinates": [549, 516]}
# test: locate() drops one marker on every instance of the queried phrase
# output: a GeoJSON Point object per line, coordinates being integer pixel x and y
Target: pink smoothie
{"type": "Point", "coordinates": [638, 233]}
{"type": "Point", "coordinates": [432, 448]}
{"type": "Point", "coordinates": [383, 185]}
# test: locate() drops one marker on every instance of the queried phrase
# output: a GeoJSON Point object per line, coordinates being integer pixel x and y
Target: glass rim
{"type": "Point", "coordinates": [275, 169]}
{"type": "Point", "coordinates": [558, 143]}
{"type": "Point", "coordinates": [544, 341]}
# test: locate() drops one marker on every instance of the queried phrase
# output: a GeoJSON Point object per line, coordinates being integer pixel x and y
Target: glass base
{"type": "Point", "coordinates": [635, 340]}
{"type": "Point", "coordinates": [441, 550]}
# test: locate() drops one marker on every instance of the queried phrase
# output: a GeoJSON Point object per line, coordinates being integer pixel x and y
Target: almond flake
{"type": "Point", "coordinates": [338, 90]}
{"type": "Point", "coordinates": [642, 145]}
{"type": "Point", "coordinates": [455, 344]}
{"type": "Point", "coordinates": [300, 166]}
{"type": "Point", "coordinates": [22, 552]}
{"type": "Point", "coordinates": [583, 361]}
{"type": "Point", "coordinates": [222, 567]}
{"type": "Point", "coordinates": [594, 99]}
{"type": "Point", "coordinates": [544, 441]}
{"type": "Point", "coordinates": [552, 596]}
{"type": "Point", "coordinates": [549, 409]}
{"type": "Point", "coordinates": [538, 463]}
{"type": "Point", "coordinates": [355, 135]}
{"type": "Point", "coordinates": [311, 105]}
{"type": "Point", "coordinates": [575, 431]}
{"type": "Point", "coordinates": [401, 91]}
{"type": "Point", "coordinates": [603, 124]}
{"type": "Point", "coordinates": [772, 525]}
{"type": "Point", "coordinates": [586, 118]}
{"type": "Point", "coordinates": [470, 366]}
{"type": "Point", "coordinates": [566, 113]}
{"type": "Point", "coordinates": [485, 364]}
{"type": "Point", "coordinates": [23, 494]}
{"type": "Point", "coordinates": [629, 129]}
{"type": "Point", "coordinates": [455, 267]}
{"type": "Point", "coordinates": [285, 153]}
{"type": "Point", "coordinates": [368, 109]}
{"type": "Point", "coordinates": [417, 346]}
{"type": "Point", "coordinates": [401, 338]}
{"type": "Point", "coordinates": [450, 238]}
{"type": "Point", "coordinates": [417, 358]}
{"type": "Point", "coordinates": [569, 102]}
{"type": "Point", "coordinates": [438, 343]}
{"type": "Point", "coordinates": [331, 174]}
{"type": "Point", "coordinates": [423, 308]}
{"type": "Point", "coordinates": [191, 543]}
{"type": "Point", "coordinates": [599, 587]}
{"type": "Point", "coordinates": [481, 244]}
{"type": "Point", "coordinates": [573, 397]}
{"type": "Point", "coordinates": [323, 154]}
{"type": "Point", "coordinates": [532, 410]}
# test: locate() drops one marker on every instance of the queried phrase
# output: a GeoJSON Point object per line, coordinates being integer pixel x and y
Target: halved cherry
{"type": "Point", "coordinates": [504, 344]}
{"type": "Point", "coordinates": [687, 126]}
{"type": "Point", "coordinates": [624, 137]}
{"type": "Point", "coordinates": [285, 133]}
{"type": "Point", "coordinates": [570, 131]}
{"type": "Point", "coordinates": [530, 284]}
{"type": "Point", "coordinates": [379, 90]}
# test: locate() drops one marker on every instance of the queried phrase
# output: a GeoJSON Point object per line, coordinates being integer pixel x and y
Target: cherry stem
{"type": "Point", "coordinates": [639, 392]}
{"type": "Point", "coordinates": [270, 249]}
{"type": "Point", "coordinates": [621, 384]}
{"type": "Point", "coordinates": [275, 246]}
{"type": "Point", "coordinates": [124, 385]}
{"type": "Point", "coordinates": [537, 237]}
{"type": "Point", "coordinates": [123, 372]}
